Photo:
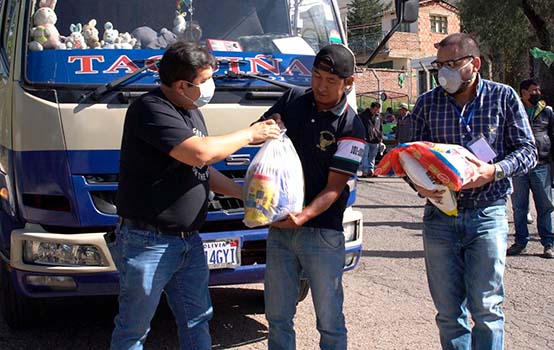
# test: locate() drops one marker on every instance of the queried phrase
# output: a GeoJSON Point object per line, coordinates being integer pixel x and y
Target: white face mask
{"type": "Point", "coordinates": [451, 79]}
{"type": "Point", "coordinates": [207, 90]}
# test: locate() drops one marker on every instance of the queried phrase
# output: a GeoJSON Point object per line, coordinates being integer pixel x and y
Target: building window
{"type": "Point", "coordinates": [404, 27]}
{"type": "Point", "coordinates": [439, 24]}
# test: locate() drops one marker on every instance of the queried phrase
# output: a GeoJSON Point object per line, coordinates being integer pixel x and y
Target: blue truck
{"type": "Point", "coordinates": [63, 100]}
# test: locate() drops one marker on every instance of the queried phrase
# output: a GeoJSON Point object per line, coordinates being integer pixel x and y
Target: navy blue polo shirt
{"type": "Point", "coordinates": [326, 141]}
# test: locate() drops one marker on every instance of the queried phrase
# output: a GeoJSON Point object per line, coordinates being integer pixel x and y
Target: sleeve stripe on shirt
{"type": "Point", "coordinates": [350, 149]}
{"type": "Point", "coordinates": [341, 171]}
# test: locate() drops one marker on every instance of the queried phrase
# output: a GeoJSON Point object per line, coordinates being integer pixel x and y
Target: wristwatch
{"type": "Point", "coordinates": [499, 173]}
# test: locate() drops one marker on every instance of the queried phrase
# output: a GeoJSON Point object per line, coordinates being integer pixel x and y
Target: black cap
{"type": "Point", "coordinates": [336, 59]}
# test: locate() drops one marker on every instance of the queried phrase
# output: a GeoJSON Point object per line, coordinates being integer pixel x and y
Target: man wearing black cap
{"type": "Point", "coordinates": [329, 139]}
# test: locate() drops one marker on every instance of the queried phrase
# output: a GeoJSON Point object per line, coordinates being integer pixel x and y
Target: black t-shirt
{"type": "Point", "coordinates": [325, 141]}
{"type": "Point", "coordinates": [153, 186]}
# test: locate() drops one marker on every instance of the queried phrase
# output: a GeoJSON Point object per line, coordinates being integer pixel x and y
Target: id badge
{"type": "Point", "coordinates": [481, 148]}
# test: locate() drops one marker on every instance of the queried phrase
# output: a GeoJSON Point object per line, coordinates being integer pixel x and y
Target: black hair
{"type": "Point", "coordinates": [524, 85]}
{"type": "Point", "coordinates": [465, 42]}
{"type": "Point", "coordinates": [375, 105]}
{"type": "Point", "coordinates": [182, 60]}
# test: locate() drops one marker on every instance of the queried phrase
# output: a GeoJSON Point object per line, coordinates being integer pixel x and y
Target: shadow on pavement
{"type": "Point", "coordinates": [87, 323]}
{"type": "Point", "coordinates": [385, 224]}
{"type": "Point", "coordinates": [394, 254]}
{"type": "Point", "coordinates": [382, 206]}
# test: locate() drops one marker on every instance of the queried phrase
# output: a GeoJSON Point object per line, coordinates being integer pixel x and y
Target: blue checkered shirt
{"type": "Point", "coordinates": [498, 114]}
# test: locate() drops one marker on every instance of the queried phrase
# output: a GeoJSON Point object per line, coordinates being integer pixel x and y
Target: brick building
{"type": "Point", "coordinates": [402, 69]}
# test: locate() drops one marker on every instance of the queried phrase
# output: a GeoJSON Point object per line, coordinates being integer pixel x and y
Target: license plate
{"type": "Point", "coordinates": [222, 253]}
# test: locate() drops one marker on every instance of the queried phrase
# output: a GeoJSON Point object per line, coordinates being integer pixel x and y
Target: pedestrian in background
{"type": "Point", "coordinates": [538, 179]}
{"type": "Point", "coordinates": [162, 199]}
{"type": "Point", "coordinates": [404, 125]}
{"type": "Point", "coordinates": [373, 124]}
{"type": "Point", "coordinates": [329, 139]}
{"type": "Point", "coordinates": [465, 254]}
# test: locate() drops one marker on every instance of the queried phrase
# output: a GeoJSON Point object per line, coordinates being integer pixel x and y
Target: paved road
{"type": "Point", "coordinates": [387, 301]}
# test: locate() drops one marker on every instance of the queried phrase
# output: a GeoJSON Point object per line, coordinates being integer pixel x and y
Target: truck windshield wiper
{"type": "Point", "coordinates": [100, 91]}
{"type": "Point", "coordinates": [234, 75]}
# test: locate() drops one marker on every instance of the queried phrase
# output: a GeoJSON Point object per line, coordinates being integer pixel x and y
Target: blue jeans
{"type": "Point", "coordinates": [317, 254]}
{"type": "Point", "coordinates": [149, 263]}
{"type": "Point", "coordinates": [539, 181]}
{"type": "Point", "coordinates": [368, 159]}
{"type": "Point", "coordinates": [465, 257]}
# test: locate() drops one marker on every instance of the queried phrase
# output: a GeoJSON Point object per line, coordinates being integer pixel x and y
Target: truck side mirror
{"type": "Point", "coordinates": [407, 10]}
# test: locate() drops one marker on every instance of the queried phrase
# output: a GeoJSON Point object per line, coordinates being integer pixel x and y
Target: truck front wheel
{"type": "Point", "coordinates": [18, 311]}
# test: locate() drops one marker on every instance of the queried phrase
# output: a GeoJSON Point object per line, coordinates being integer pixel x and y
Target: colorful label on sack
{"type": "Point", "coordinates": [259, 200]}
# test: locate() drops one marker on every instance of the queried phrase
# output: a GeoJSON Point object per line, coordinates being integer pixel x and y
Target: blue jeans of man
{"type": "Point", "coordinates": [539, 181]}
{"type": "Point", "coordinates": [368, 159]}
{"type": "Point", "coordinates": [465, 257]}
{"type": "Point", "coordinates": [317, 254]}
{"type": "Point", "coordinates": [148, 263]}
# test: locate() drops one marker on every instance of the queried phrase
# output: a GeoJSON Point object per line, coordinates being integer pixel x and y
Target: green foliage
{"type": "Point", "coordinates": [505, 34]}
{"type": "Point", "coordinates": [364, 24]}
{"type": "Point", "coordinates": [364, 12]}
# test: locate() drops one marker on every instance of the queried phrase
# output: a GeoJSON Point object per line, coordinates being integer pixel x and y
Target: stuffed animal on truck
{"type": "Point", "coordinates": [76, 40]}
{"type": "Point", "coordinates": [44, 33]}
{"type": "Point", "coordinates": [91, 35]}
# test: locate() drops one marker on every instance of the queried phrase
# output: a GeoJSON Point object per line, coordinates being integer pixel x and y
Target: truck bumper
{"type": "Point", "coordinates": [40, 281]}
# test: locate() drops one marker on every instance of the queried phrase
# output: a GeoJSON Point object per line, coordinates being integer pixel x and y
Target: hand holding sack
{"type": "Point", "coordinates": [434, 166]}
{"type": "Point", "coordinates": [274, 184]}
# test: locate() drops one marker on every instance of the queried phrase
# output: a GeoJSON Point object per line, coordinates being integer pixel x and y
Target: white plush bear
{"type": "Point", "coordinates": [44, 33]}
{"type": "Point", "coordinates": [91, 35]}
{"type": "Point", "coordinates": [110, 35]}
{"type": "Point", "coordinates": [76, 40]}
{"type": "Point", "coordinates": [125, 41]}
{"type": "Point", "coordinates": [179, 25]}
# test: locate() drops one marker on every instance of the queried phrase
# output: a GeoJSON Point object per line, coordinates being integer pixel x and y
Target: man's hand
{"type": "Point", "coordinates": [277, 118]}
{"type": "Point", "coordinates": [435, 195]}
{"type": "Point", "coordinates": [483, 174]}
{"type": "Point", "coordinates": [267, 129]}
{"type": "Point", "coordinates": [291, 221]}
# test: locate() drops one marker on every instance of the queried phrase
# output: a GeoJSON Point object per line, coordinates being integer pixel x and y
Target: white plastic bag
{"type": "Point", "coordinates": [274, 184]}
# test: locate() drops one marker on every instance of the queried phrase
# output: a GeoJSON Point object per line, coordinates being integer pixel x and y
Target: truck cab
{"type": "Point", "coordinates": [63, 100]}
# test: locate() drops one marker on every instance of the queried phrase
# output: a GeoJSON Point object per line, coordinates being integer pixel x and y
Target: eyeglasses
{"type": "Point", "coordinates": [450, 63]}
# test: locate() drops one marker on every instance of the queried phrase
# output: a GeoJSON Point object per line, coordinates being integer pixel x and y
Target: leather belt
{"type": "Point", "coordinates": [165, 230]}
{"type": "Point", "coordinates": [472, 203]}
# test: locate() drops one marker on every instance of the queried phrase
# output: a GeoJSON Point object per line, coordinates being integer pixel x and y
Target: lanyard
{"type": "Point", "coordinates": [470, 115]}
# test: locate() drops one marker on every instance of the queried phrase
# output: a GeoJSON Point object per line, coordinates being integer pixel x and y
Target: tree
{"type": "Point", "coordinates": [507, 30]}
{"type": "Point", "coordinates": [364, 25]}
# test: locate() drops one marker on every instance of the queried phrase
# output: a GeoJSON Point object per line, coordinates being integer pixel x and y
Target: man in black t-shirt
{"type": "Point", "coordinates": [329, 139]}
{"type": "Point", "coordinates": [165, 178]}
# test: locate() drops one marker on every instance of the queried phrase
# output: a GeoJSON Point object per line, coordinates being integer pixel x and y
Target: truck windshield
{"type": "Point", "coordinates": [102, 40]}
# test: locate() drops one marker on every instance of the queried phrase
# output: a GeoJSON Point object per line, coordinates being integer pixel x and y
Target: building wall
{"type": "Point", "coordinates": [387, 82]}
{"type": "Point", "coordinates": [403, 48]}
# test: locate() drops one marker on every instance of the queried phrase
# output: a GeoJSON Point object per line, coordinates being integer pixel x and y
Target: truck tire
{"type": "Point", "coordinates": [18, 312]}
{"type": "Point", "coordinates": [304, 289]}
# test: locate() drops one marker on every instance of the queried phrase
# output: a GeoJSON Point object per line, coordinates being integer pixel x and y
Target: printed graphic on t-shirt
{"type": "Point", "coordinates": [326, 139]}
{"type": "Point", "coordinates": [201, 172]}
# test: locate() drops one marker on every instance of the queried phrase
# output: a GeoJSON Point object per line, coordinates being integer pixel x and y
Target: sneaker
{"type": "Point", "coordinates": [529, 218]}
{"type": "Point", "coordinates": [515, 249]}
{"type": "Point", "coordinates": [548, 252]}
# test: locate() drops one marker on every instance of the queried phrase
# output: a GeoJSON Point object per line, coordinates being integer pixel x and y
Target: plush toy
{"type": "Point", "coordinates": [110, 34]}
{"type": "Point", "coordinates": [91, 35]}
{"type": "Point", "coordinates": [125, 41]}
{"type": "Point", "coordinates": [44, 33]}
{"type": "Point", "coordinates": [179, 25]}
{"type": "Point", "coordinates": [148, 38]}
{"type": "Point", "coordinates": [76, 40]}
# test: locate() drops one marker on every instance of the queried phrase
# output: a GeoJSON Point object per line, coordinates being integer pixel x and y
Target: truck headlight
{"type": "Point", "coordinates": [51, 253]}
{"type": "Point", "coordinates": [350, 231]}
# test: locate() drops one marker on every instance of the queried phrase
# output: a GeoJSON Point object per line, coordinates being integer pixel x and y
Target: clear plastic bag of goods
{"type": "Point", "coordinates": [274, 184]}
